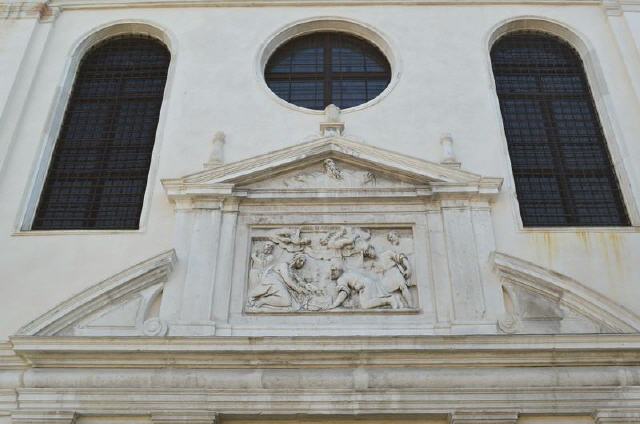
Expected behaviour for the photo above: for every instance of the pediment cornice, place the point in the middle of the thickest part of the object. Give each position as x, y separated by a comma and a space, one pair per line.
113, 291
251, 352
567, 292
425, 178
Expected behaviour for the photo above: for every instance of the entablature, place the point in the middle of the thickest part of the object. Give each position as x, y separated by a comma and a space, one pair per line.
292, 352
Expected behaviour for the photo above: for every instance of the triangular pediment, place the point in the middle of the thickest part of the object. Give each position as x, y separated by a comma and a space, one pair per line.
331, 163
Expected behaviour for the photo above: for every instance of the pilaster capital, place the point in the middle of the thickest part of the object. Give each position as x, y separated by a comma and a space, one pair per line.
484, 417
43, 417
231, 205
184, 417
611, 416
612, 7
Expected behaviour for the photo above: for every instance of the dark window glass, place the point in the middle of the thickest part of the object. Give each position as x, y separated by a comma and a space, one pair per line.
563, 172
98, 172
322, 68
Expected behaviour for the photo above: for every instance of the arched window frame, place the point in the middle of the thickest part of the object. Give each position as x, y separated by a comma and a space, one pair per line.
604, 108
57, 111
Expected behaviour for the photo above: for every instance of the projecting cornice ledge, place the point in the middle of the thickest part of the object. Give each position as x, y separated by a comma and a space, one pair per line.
91, 4
48, 11
251, 352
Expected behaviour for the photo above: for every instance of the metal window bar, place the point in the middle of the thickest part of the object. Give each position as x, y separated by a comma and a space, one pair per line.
562, 168
99, 168
318, 69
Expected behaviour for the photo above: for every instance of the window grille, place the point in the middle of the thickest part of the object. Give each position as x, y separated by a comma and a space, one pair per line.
322, 68
563, 172
98, 172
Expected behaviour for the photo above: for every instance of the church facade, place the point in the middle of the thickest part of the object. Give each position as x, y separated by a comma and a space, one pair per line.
319, 211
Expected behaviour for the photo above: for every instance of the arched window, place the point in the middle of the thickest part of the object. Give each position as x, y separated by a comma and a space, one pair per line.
99, 168
562, 168
318, 69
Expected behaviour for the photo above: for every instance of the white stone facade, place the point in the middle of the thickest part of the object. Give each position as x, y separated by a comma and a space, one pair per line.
446, 309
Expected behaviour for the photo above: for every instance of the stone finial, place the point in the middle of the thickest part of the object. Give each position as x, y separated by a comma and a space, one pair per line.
448, 154
332, 124
332, 113
216, 158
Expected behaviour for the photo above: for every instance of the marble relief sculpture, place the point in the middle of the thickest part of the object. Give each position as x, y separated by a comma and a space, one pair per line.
331, 268
290, 240
332, 175
281, 284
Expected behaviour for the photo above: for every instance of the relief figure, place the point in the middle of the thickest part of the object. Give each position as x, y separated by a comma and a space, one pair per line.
347, 240
396, 274
369, 292
282, 284
330, 174
331, 169
261, 258
288, 239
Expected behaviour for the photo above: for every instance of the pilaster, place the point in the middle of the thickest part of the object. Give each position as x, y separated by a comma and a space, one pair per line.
466, 286
627, 45
485, 246
199, 240
172, 296
440, 268
25, 75
198, 287
226, 253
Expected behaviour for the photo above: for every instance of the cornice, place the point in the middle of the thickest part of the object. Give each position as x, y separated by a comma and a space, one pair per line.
568, 292
28, 10
8, 358
20, 10
133, 279
47, 11
289, 352
97, 4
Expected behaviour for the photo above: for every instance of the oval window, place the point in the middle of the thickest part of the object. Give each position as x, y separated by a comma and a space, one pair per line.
323, 68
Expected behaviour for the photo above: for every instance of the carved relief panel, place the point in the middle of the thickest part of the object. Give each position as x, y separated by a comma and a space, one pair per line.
332, 174
331, 268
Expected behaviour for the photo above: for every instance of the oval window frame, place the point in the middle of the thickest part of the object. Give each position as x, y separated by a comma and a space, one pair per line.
328, 24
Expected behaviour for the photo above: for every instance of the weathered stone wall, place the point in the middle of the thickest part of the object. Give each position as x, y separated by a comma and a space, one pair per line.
442, 83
